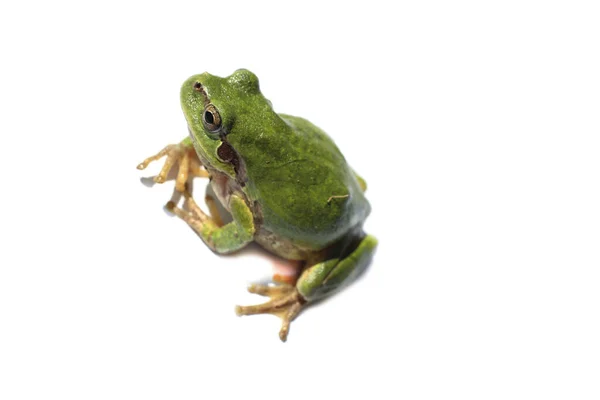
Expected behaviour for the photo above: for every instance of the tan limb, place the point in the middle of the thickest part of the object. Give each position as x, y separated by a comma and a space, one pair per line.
182, 154
286, 303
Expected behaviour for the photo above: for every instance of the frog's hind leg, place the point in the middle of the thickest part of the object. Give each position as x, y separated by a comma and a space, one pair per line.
182, 154
316, 282
325, 278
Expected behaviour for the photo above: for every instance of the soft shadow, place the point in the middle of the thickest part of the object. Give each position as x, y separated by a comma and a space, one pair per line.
148, 181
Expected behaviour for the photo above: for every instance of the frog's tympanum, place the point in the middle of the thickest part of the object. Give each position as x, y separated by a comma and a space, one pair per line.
284, 182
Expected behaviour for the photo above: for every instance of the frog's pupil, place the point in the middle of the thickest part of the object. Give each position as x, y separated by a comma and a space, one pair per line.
197, 85
209, 117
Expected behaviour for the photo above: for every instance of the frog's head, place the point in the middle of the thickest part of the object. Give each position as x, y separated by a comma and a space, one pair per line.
216, 108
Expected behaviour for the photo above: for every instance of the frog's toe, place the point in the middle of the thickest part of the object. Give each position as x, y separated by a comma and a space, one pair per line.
273, 306
286, 303
193, 215
291, 313
155, 157
182, 154
270, 290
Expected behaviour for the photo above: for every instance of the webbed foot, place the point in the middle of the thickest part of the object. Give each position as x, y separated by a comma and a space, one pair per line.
286, 303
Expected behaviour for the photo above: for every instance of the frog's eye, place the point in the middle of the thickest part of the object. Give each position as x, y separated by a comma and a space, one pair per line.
211, 118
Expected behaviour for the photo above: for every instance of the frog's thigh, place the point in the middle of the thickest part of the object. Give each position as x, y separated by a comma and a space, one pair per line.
326, 277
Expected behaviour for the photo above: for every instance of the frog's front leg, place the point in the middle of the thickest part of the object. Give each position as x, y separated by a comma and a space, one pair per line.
221, 239
182, 154
316, 282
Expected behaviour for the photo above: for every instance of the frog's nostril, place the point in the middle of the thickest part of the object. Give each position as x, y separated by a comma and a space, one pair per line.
197, 86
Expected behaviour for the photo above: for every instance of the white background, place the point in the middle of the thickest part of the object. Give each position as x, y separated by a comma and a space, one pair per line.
476, 125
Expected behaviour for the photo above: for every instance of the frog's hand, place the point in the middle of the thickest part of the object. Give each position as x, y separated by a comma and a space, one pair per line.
221, 239
182, 154
361, 182
318, 281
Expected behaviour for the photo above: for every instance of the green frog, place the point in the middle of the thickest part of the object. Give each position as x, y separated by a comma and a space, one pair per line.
283, 181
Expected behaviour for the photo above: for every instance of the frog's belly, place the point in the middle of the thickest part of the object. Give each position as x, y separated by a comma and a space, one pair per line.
221, 187
281, 246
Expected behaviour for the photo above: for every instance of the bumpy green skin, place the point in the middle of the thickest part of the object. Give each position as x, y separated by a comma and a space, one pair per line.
286, 167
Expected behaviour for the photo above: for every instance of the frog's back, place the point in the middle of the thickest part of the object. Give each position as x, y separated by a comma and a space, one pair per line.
306, 191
